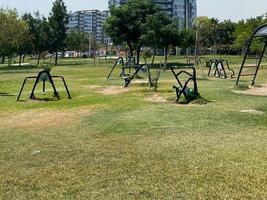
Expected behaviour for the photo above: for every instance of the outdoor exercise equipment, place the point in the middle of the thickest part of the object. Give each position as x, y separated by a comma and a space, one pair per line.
129, 77
44, 76
261, 33
128, 66
153, 78
120, 61
182, 87
219, 68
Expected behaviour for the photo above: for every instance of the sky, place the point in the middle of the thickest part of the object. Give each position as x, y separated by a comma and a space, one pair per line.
221, 9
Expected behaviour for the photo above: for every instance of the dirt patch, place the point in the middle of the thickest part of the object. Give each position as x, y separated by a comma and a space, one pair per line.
112, 90
140, 81
157, 99
256, 112
257, 91
39, 119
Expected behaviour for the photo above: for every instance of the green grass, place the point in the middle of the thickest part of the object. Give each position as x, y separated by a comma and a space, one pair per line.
123, 146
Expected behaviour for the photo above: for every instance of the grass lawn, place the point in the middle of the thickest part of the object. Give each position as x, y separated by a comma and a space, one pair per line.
108, 142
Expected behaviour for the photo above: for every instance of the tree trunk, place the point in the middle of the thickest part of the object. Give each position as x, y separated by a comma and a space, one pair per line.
138, 55
38, 61
3, 59
166, 56
9, 61
106, 54
153, 57
130, 49
20, 59
94, 57
56, 58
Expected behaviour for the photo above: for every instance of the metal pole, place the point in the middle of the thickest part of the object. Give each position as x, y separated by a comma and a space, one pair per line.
89, 45
259, 63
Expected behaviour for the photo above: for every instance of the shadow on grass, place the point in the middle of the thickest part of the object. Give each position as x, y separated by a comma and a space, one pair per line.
39, 100
242, 86
71, 64
197, 101
200, 101
206, 78
4, 94
24, 67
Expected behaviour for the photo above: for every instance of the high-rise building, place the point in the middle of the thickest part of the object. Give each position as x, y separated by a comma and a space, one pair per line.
165, 5
116, 2
90, 21
184, 10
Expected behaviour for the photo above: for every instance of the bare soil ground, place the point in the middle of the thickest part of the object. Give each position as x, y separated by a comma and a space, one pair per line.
257, 90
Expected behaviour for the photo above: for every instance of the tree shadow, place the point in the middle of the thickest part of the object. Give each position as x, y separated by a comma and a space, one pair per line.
39, 99
24, 67
4, 94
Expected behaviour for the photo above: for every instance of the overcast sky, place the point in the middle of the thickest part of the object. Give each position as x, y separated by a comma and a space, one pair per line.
221, 9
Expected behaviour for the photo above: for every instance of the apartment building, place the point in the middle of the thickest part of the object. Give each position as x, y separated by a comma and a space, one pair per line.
91, 22
184, 10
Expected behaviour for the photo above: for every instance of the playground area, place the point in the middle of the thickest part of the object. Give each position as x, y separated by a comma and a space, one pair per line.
112, 142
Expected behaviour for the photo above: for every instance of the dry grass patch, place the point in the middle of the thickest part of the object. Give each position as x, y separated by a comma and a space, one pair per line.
256, 112
111, 90
41, 118
254, 90
157, 99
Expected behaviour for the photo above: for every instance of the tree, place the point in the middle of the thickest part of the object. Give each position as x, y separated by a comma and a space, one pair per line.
11, 40
202, 32
160, 31
39, 32
243, 32
187, 39
125, 22
225, 32
58, 20
214, 34
45, 35
77, 40
8, 30
22, 40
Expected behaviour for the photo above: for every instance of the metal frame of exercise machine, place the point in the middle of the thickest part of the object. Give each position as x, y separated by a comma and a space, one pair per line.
219, 69
130, 64
130, 61
128, 77
260, 32
179, 69
43, 77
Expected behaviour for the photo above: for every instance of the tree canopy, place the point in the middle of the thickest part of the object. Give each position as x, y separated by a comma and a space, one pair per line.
125, 22
58, 21
12, 40
77, 40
